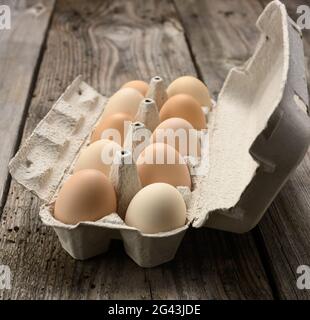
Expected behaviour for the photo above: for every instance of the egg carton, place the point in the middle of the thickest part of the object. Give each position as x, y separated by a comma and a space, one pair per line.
258, 133
47, 159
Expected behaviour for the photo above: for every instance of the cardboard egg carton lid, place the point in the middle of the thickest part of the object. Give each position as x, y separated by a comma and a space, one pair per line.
45, 158
258, 132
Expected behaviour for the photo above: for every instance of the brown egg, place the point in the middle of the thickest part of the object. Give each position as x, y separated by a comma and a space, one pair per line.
87, 195
186, 107
139, 85
179, 134
160, 162
98, 155
158, 207
191, 86
113, 128
126, 100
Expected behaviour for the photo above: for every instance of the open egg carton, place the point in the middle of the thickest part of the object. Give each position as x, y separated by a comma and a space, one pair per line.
258, 133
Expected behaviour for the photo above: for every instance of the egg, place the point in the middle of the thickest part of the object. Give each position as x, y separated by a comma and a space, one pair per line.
159, 162
158, 207
125, 100
180, 134
105, 129
139, 85
98, 155
87, 195
186, 107
191, 86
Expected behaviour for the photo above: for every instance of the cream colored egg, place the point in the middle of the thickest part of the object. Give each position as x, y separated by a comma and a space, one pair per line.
139, 85
98, 155
87, 195
125, 100
158, 207
191, 86
179, 134
160, 162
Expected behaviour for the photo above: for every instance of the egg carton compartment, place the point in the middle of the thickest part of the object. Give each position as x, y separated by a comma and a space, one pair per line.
257, 135
88, 239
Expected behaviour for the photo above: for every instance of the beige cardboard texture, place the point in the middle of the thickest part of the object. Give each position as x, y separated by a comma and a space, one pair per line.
258, 133
88, 239
44, 158
256, 111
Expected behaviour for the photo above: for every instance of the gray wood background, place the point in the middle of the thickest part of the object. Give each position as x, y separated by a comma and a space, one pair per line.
109, 43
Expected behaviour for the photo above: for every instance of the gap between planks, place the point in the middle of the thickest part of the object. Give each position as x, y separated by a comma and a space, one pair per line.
15, 142
283, 220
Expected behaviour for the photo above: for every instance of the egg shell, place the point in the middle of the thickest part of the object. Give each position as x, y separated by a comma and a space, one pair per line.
186, 107
179, 134
160, 162
87, 195
98, 155
191, 86
117, 121
158, 207
125, 100
139, 85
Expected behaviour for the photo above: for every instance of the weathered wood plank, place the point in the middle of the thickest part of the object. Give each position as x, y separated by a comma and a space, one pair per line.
110, 43
19, 56
216, 33
212, 265
284, 231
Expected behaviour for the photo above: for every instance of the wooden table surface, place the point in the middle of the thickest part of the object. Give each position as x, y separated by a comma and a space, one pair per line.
109, 43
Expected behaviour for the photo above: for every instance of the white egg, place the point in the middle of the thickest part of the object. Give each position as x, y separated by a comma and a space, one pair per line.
158, 207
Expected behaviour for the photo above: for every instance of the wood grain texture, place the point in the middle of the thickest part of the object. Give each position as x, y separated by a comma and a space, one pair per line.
217, 35
285, 230
111, 43
20, 54
283, 233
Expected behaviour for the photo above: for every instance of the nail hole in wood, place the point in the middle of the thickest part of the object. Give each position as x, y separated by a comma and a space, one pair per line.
39, 7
